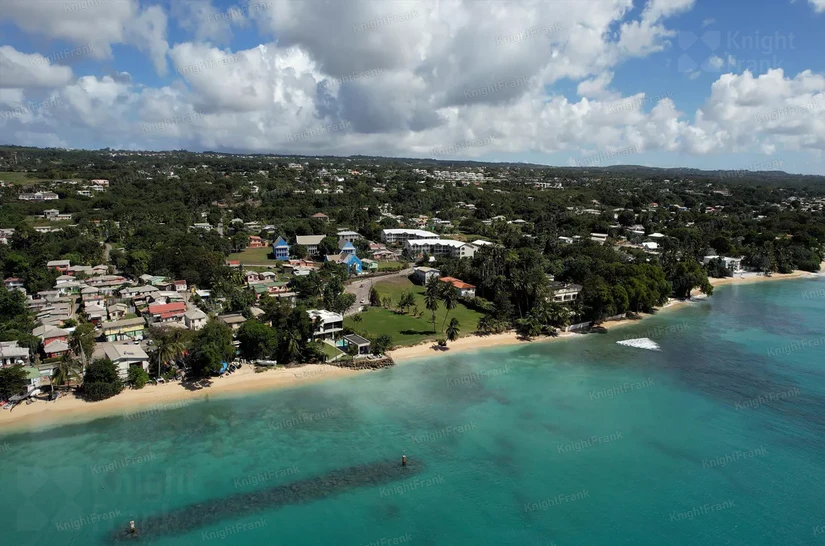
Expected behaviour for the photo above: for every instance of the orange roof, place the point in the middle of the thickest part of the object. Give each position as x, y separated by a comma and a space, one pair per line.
164, 308
461, 285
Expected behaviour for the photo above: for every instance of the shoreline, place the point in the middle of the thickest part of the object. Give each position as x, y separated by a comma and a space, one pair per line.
132, 404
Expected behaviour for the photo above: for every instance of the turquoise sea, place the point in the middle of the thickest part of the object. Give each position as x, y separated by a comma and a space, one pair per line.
717, 438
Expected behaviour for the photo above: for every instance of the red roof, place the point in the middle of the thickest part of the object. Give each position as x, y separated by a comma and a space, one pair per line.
461, 285
233, 262
165, 308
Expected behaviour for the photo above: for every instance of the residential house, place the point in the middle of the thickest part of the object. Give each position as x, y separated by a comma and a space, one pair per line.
310, 242
325, 323
11, 354
233, 320
400, 235
13, 283
117, 311
423, 274
255, 242
348, 236
96, 313
320, 216
346, 247
564, 292
55, 349
167, 312
600, 238
195, 319
734, 265
39, 196
280, 249
362, 343
233, 263
416, 248
124, 329
126, 356
180, 286
463, 289
369, 265
59, 265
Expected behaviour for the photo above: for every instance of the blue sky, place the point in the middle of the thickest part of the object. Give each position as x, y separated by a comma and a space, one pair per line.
696, 83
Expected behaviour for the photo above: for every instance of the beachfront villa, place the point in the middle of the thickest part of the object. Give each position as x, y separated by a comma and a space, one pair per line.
734, 265
125, 356
463, 289
564, 292
325, 323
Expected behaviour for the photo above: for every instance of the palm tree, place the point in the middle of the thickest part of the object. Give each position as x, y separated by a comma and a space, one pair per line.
168, 349
65, 371
293, 343
453, 329
528, 327
450, 297
431, 296
485, 324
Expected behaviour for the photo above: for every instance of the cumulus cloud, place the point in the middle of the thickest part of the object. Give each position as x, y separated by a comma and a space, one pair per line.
18, 70
404, 78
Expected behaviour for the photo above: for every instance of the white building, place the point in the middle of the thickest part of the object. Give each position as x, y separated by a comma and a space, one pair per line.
424, 274
397, 236
327, 323
310, 242
415, 248
194, 319
125, 356
734, 265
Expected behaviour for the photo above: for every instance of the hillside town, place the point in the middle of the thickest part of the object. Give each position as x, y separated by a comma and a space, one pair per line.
122, 268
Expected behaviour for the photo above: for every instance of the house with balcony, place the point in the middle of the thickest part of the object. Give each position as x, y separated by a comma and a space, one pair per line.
422, 275
125, 356
124, 329
401, 235
325, 323
61, 266
280, 249
564, 292
255, 242
165, 312
310, 242
463, 289
12, 354
416, 248
195, 319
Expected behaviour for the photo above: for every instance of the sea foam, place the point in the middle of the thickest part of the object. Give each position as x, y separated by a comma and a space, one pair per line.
641, 343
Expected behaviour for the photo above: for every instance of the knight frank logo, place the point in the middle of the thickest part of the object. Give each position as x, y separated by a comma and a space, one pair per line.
734, 50
710, 42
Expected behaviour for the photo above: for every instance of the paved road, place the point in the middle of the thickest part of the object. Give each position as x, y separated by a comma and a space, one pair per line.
361, 289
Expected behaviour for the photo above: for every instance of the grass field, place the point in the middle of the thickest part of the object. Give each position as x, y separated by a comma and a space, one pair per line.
254, 256
382, 266
328, 349
406, 329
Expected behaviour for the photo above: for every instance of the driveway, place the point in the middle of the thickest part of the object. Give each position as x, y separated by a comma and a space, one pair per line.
361, 288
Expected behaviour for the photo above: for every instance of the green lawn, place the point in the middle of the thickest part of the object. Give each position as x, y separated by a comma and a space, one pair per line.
389, 265
328, 349
254, 256
406, 329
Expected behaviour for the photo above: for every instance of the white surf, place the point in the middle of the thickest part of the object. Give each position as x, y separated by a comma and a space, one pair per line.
641, 343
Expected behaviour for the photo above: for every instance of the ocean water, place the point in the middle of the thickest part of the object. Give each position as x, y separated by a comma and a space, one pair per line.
717, 437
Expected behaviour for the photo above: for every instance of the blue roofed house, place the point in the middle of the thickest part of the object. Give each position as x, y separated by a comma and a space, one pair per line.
346, 248
280, 249
353, 263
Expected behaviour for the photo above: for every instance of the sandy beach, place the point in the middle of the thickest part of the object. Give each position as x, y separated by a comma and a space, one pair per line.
154, 398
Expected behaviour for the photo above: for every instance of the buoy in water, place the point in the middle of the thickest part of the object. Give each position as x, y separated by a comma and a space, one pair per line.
132, 527
403, 460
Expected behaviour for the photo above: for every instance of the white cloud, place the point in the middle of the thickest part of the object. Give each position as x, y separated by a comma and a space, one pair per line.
818, 5
18, 70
